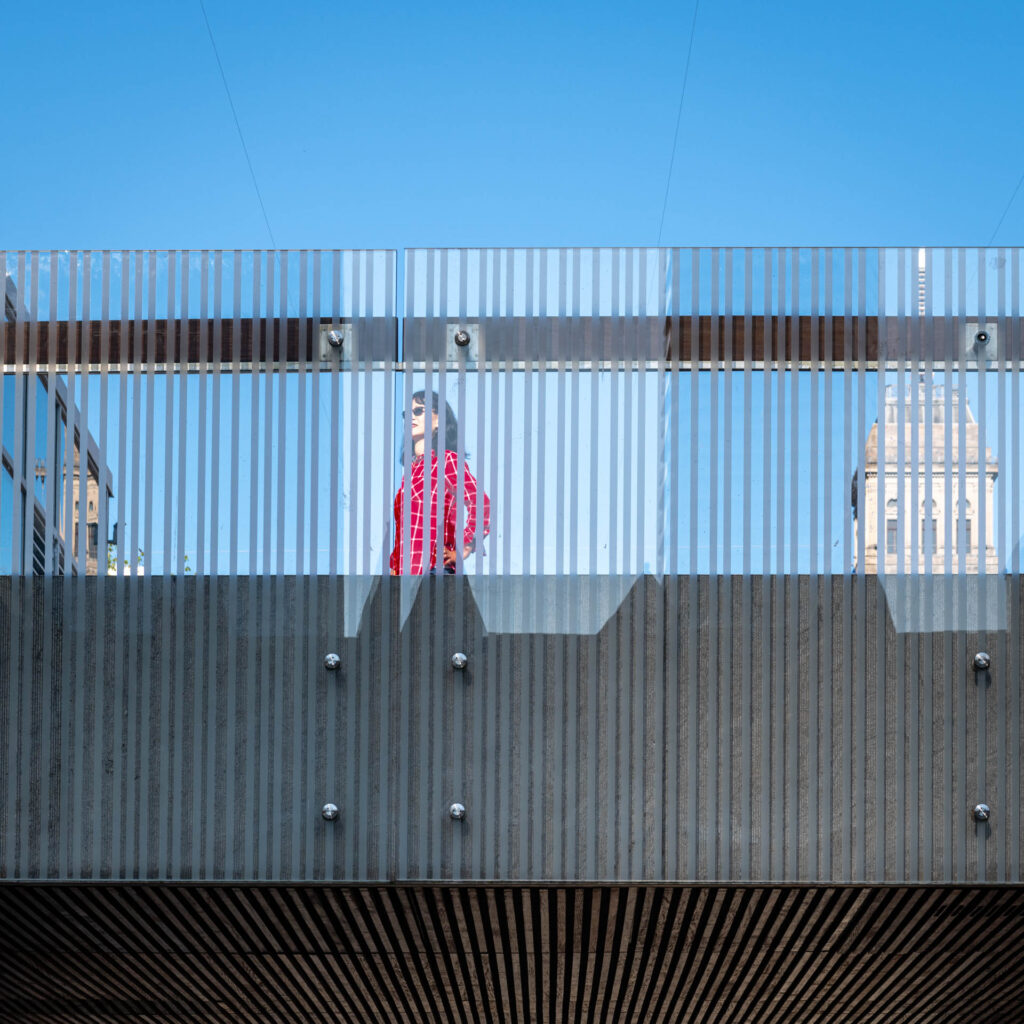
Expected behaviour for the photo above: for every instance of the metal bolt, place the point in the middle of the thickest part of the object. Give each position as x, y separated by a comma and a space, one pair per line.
329, 812
982, 812
982, 662
457, 812
462, 337
335, 338
332, 662
459, 660
981, 337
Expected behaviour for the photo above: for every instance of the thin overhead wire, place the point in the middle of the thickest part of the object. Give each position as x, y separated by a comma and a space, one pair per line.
234, 114
1006, 210
679, 115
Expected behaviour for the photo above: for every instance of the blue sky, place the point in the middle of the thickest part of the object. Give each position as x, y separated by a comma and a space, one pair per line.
526, 124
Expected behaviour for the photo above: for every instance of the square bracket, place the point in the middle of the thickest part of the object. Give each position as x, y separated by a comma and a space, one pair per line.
980, 340
337, 343
464, 343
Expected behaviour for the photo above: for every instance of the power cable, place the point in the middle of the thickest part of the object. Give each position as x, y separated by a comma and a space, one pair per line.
234, 114
1006, 210
679, 115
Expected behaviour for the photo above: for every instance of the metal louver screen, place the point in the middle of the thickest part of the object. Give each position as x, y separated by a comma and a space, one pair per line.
625, 411
779, 490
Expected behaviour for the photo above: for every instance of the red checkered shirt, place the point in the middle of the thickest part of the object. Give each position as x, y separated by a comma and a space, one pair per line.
414, 565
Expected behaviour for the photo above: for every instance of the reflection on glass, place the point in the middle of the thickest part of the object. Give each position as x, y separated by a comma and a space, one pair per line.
41, 465
90, 513
36, 474
60, 479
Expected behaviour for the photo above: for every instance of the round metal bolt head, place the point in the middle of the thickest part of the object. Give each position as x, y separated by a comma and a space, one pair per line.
982, 812
459, 660
457, 812
332, 662
982, 662
335, 339
462, 338
981, 337
329, 812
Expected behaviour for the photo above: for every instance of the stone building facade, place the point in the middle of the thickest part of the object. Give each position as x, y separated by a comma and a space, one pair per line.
927, 490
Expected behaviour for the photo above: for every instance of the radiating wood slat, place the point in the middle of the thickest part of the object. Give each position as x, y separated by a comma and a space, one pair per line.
715, 954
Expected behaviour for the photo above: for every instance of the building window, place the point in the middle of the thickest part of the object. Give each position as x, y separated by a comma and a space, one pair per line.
890, 536
930, 541
966, 524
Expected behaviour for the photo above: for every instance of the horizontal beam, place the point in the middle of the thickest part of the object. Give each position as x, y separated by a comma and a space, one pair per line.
216, 343
737, 340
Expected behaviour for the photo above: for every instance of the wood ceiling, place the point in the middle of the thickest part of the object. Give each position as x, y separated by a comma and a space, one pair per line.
470, 953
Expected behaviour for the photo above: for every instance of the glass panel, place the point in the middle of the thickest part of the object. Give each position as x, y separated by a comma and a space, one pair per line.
612, 411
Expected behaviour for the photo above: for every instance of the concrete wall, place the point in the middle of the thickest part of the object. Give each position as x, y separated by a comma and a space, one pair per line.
772, 729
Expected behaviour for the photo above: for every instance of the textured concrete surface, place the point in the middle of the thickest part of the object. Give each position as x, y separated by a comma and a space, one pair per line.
758, 729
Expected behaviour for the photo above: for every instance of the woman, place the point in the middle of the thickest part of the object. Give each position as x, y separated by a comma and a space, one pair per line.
422, 540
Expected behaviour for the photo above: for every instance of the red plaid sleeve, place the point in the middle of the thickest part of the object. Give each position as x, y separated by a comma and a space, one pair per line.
453, 469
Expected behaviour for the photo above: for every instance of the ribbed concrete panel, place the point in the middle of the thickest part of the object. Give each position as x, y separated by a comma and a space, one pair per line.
729, 729
799, 955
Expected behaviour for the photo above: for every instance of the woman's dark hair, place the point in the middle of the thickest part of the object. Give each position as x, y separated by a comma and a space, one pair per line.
432, 403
